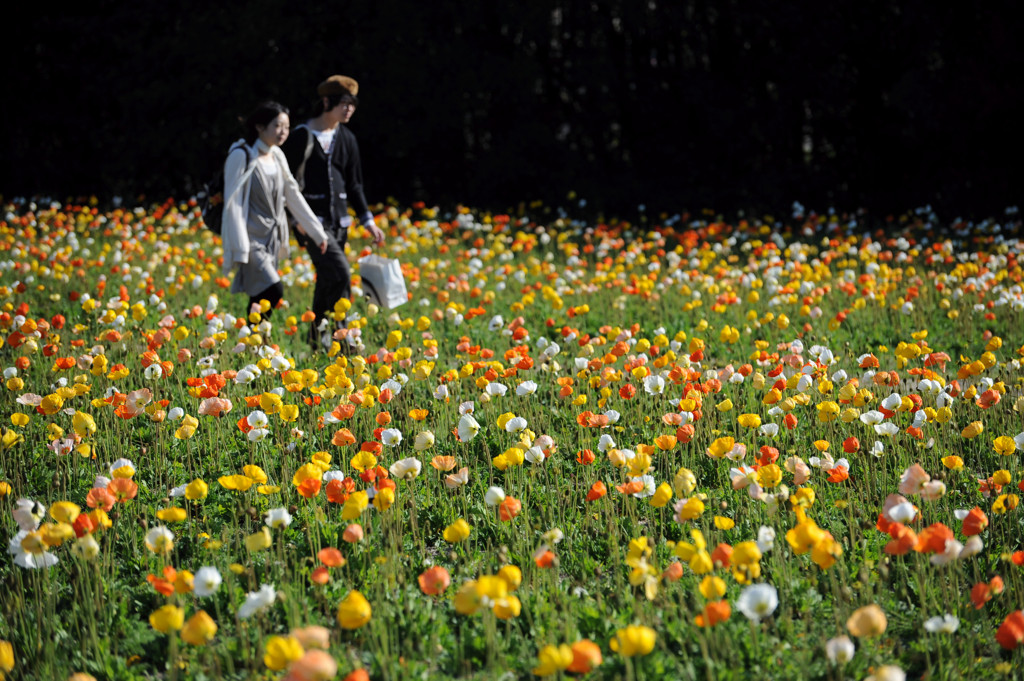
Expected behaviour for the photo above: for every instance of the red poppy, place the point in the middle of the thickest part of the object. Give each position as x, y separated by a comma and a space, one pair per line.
769, 455
338, 490
982, 593
1011, 631
597, 490
974, 523
585, 457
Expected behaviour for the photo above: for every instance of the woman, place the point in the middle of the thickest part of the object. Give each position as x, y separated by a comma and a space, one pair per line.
258, 186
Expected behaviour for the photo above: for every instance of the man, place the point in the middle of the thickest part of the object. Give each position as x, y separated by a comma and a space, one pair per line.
324, 158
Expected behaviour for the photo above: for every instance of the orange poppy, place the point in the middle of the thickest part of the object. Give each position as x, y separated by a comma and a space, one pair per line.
903, 541
933, 538
631, 487
509, 508
434, 580
165, 584
597, 490
320, 575
344, 411
714, 613
665, 442
585, 457
674, 572
545, 560
331, 557
309, 488
838, 474
989, 398
722, 555
685, 433
585, 656
84, 524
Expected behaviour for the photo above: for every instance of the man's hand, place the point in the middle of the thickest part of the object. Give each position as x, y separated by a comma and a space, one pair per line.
376, 234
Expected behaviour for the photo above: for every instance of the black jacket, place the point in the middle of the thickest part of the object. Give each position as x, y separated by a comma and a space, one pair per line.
329, 194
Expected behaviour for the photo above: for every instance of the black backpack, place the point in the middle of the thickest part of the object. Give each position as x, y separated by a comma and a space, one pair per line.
211, 197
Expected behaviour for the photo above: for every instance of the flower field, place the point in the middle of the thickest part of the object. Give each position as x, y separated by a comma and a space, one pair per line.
680, 449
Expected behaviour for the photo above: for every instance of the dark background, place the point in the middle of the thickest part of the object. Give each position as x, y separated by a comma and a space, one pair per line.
676, 105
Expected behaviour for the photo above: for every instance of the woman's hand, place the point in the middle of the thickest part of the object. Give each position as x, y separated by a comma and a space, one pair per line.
323, 246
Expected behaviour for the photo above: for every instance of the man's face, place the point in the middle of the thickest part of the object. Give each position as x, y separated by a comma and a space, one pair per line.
345, 109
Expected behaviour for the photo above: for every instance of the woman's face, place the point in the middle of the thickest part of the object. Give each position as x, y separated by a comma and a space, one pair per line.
275, 132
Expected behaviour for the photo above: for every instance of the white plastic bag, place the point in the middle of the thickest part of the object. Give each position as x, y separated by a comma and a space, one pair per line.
383, 281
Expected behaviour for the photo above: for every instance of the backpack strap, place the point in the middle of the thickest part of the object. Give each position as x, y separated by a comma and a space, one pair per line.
300, 174
249, 167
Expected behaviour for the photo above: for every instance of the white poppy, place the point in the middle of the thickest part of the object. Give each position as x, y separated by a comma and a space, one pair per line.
406, 469
526, 388
758, 601
494, 496
257, 601
468, 428
391, 437
206, 581
423, 441
840, 650
278, 517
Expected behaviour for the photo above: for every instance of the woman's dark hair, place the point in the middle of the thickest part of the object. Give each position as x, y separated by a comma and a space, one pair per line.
332, 101
262, 115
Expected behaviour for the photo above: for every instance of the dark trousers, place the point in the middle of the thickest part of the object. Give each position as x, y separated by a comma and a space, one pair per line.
271, 294
333, 280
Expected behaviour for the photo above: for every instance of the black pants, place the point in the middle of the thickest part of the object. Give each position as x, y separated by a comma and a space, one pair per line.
333, 280
271, 294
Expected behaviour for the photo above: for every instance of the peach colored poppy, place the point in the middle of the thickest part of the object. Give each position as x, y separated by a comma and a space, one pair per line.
443, 463
123, 489
343, 437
